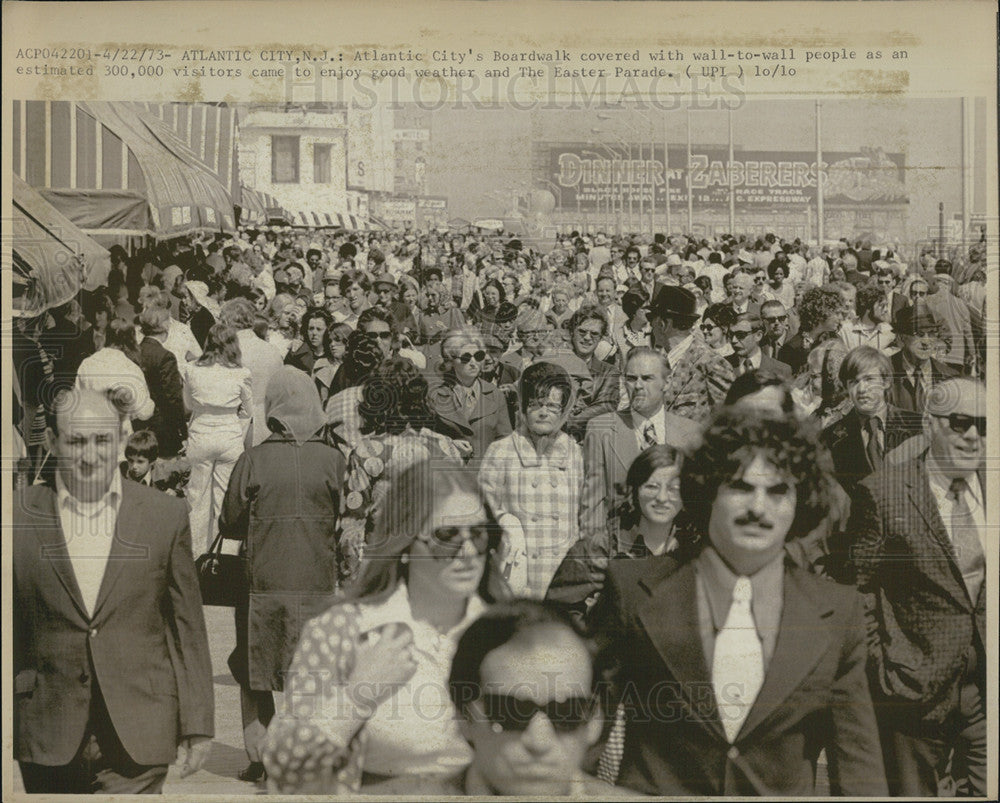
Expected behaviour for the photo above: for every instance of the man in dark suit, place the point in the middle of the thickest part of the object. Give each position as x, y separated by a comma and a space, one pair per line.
647, 283
745, 334
163, 378
872, 427
921, 566
734, 666
777, 329
613, 440
111, 662
914, 370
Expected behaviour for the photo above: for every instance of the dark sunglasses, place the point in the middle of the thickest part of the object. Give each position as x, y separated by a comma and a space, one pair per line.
738, 334
776, 319
469, 356
381, 335
514, 714
918, 293
446, 542
960, 422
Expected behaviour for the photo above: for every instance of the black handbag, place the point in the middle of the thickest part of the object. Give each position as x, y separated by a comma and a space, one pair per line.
222, 578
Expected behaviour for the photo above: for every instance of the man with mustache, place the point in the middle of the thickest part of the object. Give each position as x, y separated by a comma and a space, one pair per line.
735, 667
921, 566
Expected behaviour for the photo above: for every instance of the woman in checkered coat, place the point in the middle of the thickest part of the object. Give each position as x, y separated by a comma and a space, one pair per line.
533, 479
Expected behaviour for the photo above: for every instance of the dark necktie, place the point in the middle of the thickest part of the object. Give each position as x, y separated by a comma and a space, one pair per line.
649, 434
919, 391
965, 538
874, 449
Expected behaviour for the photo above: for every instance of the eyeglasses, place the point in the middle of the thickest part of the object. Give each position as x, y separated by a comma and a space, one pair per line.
509, 713
960, 422
739, 334
759, 280
776, 319
446, 542
918, 293
381, 335
708, 327
469, 356
588, 334
552, 407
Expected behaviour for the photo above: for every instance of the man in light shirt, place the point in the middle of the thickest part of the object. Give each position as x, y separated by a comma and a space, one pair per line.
920, 562
111, 662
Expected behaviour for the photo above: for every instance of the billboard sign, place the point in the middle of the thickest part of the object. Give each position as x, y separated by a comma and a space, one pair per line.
589, 176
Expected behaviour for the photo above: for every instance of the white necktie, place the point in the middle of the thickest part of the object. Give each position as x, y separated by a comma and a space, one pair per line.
738, 662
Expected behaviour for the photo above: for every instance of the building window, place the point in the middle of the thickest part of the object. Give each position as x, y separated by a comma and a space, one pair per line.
284, 160
321, 164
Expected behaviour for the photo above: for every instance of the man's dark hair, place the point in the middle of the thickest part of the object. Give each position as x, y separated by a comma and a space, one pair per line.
376, 314
733, 437
816, 306
394, 396
753, 381
311, 314
589, 312
501, 624
868, 296
721, 314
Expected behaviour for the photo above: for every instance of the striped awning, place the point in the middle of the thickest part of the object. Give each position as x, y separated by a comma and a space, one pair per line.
51, 257
258, 207
309, 219
93, 160
210, 132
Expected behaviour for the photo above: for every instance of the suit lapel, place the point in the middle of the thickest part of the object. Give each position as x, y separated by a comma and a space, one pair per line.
670, 617
623, 440
802, 640
128, 529
54, 551
919, 491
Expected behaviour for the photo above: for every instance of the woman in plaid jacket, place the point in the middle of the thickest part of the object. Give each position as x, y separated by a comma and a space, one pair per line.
533, 479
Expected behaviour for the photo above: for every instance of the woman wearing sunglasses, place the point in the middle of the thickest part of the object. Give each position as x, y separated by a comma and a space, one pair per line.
368, 687
471, 408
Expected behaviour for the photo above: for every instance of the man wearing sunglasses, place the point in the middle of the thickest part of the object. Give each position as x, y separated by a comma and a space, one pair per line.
745, 334
736, 666
524, 686
921, 566
776, 327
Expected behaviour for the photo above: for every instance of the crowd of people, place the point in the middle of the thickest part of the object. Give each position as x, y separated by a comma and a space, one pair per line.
657, 515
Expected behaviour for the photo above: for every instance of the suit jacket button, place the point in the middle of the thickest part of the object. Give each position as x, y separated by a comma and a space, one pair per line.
93, 632
733, 753
84, 677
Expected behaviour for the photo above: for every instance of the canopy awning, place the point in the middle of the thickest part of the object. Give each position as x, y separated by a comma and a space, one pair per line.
93, 159
309, 219
458, 223
257, 206
209, 131
52, 258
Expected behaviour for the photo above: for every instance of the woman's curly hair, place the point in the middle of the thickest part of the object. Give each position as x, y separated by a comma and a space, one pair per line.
733, 437
393, 397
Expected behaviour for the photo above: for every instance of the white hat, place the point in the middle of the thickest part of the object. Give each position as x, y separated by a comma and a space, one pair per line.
744, 256
673, 259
